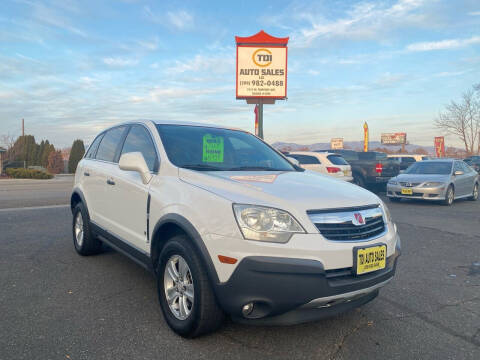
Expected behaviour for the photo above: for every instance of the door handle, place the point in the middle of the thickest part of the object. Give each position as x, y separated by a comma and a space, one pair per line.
110, 182
86, 173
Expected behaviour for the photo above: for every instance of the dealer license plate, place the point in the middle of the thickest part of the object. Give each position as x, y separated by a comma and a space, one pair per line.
370, 259
407, 191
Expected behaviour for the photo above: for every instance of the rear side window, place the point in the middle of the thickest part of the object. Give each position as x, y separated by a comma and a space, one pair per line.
337, 160
92, 149
408, 160
109, 144
139, 140
305, 159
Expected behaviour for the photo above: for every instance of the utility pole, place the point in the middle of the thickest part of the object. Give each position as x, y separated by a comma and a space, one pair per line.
24, 149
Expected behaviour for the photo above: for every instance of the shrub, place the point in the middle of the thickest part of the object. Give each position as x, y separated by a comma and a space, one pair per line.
20, 173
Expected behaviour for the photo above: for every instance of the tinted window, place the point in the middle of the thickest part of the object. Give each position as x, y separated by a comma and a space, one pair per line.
371, 155
430, 168
305, 159
408, 160
337, 160
139, 140
92, 149
348, 155
108, 146
212, 149
457, 166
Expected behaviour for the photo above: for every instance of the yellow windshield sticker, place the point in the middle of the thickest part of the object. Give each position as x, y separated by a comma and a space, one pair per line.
212, 149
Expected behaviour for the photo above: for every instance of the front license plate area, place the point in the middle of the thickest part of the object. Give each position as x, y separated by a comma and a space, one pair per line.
368, 259
407, 191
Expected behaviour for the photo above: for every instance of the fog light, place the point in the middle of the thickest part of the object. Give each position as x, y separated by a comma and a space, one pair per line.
247, 309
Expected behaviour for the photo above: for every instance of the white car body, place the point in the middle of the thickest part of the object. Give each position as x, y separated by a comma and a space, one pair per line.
321, 162
136, 217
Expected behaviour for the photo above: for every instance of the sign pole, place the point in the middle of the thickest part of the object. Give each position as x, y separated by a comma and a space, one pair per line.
260, 119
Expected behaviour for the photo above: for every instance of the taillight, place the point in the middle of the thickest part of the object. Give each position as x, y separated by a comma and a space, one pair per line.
333, 170
379, 168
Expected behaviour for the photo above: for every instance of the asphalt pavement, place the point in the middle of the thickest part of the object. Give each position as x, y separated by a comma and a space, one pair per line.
55, 304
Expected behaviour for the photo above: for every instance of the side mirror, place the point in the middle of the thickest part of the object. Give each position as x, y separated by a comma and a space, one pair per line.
135, 161
458, 172
293, 161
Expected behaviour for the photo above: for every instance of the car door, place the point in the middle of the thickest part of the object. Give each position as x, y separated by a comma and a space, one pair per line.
461, 181
86, 173
471, 176
101, 180
128, 207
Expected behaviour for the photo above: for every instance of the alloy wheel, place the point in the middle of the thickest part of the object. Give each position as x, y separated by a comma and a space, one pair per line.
178, 286
79, 229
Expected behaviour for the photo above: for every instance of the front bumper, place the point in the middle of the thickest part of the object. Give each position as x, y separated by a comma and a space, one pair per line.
434, 193
290, 291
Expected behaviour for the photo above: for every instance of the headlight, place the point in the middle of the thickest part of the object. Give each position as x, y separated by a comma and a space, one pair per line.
265, 224
386, 212
433, 184
392, 182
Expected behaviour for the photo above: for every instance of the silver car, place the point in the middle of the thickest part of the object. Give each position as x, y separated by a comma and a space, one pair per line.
439, 180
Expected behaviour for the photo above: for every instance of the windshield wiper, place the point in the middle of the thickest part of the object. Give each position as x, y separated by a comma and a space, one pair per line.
261, 168
201, 167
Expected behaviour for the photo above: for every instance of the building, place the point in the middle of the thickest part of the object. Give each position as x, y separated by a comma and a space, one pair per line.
2, 154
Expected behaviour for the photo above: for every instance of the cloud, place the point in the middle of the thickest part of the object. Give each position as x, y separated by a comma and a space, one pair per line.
474, 13
215, 62
181, 19
119, 62
443, 44
363, 21
150, 45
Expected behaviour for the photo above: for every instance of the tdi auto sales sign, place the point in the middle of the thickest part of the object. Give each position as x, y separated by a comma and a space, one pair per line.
261, 67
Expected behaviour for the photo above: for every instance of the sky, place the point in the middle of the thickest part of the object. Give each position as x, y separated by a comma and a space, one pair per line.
71, 68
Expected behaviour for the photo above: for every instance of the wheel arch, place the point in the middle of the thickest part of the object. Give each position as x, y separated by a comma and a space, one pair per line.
173, 224
78, 197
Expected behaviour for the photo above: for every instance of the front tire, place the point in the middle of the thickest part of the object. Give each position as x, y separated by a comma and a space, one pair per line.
358, 180
185, 294
449, 196
84, 240
474, 196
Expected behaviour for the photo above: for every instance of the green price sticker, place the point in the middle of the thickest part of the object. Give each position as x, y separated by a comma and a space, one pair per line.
212, 149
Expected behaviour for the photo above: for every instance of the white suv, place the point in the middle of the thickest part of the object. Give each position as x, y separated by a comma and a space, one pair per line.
229, 226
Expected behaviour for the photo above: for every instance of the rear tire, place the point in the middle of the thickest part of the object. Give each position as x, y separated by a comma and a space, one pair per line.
358, 180
449, 196
192, 310
84, 240
474, 196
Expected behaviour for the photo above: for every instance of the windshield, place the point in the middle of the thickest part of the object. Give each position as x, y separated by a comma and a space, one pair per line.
430, 168
211, 149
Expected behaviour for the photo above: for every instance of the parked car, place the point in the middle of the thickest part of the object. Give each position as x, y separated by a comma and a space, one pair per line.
474, 162
405, 160
325, 163
369, 168
229, 226
435, 180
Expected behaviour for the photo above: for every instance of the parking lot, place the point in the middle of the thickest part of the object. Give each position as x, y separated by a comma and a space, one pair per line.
55, 304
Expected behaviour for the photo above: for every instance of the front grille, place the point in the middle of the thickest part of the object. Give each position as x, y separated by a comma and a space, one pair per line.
399, 193
348, 231
408, 184
349, 224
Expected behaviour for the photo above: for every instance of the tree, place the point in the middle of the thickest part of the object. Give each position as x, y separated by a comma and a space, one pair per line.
463, 119
421, 151
55, 162
76, 154
49, 148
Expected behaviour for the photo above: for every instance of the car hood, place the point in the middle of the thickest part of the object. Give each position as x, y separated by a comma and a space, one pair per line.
419, 178
299, 190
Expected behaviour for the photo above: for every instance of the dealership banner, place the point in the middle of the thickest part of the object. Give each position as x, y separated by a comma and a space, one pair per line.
261, 67
439, 143
336, 143
394, 138
365, 137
